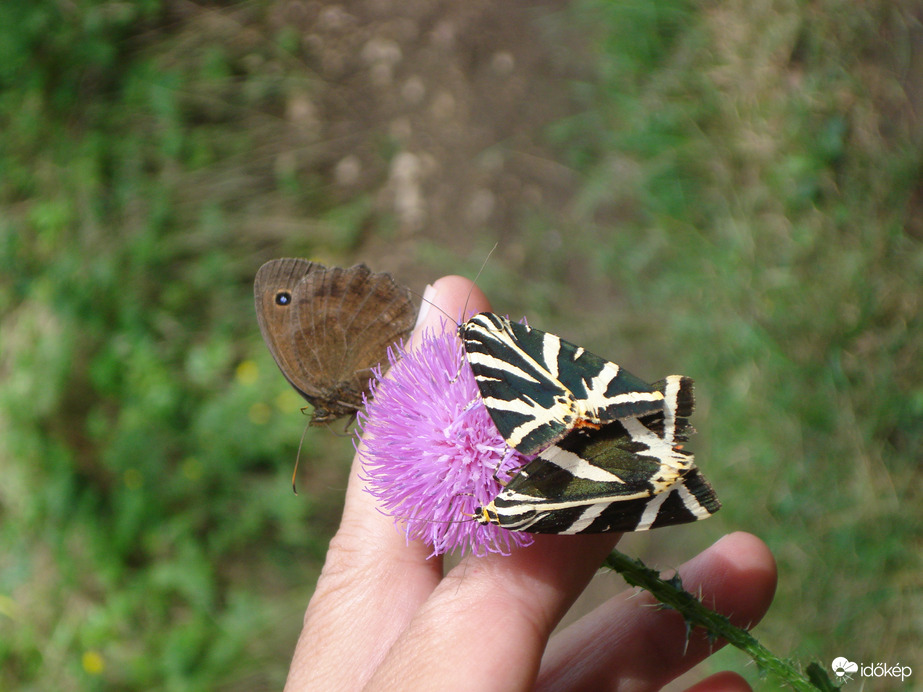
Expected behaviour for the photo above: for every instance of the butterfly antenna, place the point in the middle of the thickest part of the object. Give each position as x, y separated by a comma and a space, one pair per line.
298, 457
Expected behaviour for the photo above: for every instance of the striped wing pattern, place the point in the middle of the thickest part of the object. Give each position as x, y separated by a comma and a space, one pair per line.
630, 475
538, 387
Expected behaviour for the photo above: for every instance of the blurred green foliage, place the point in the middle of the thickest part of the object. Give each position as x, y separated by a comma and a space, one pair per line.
761, 168
143, 451
749, 182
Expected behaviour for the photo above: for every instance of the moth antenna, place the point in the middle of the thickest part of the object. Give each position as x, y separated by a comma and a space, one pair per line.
432, 304
467, 298
464, 313
476, 277
468, 517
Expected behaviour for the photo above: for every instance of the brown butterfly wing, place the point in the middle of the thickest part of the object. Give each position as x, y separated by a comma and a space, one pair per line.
372, 314
332, 326
274, 290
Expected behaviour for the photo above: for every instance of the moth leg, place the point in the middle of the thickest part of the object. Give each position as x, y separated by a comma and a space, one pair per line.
458, 372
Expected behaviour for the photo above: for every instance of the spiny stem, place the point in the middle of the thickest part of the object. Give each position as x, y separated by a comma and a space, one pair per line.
670, 592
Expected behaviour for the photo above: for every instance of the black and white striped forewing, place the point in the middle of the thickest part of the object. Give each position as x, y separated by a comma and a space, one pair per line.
538, 387
630, 475
690, 498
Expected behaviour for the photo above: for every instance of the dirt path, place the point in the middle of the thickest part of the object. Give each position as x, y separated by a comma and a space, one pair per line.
437, 111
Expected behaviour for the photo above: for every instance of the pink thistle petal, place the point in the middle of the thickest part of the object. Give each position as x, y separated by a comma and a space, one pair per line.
432, 455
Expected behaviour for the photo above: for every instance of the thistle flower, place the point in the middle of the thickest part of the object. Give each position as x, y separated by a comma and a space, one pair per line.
432, 455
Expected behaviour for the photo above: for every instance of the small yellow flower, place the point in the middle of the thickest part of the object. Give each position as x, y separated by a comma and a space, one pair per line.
93, 662
248, 372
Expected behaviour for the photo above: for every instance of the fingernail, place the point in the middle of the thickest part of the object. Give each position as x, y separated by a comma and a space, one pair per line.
429, 295
722, 539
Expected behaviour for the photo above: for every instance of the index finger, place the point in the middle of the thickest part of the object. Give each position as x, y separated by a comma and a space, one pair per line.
364, 529
373, 580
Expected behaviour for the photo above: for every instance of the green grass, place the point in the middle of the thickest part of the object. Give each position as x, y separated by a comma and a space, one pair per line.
747, 192
143, 465
764, 220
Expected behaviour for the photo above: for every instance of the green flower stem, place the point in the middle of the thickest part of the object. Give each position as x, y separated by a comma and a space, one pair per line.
670, 593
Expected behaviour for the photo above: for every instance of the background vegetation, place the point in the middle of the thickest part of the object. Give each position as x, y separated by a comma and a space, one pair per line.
727, 190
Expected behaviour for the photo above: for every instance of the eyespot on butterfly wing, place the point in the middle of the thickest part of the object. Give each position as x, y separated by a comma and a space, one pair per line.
327, 327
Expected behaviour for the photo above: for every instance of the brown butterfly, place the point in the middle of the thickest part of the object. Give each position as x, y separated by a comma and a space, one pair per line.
328, 327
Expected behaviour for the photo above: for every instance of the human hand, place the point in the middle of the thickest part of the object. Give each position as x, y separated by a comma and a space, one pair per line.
383, 617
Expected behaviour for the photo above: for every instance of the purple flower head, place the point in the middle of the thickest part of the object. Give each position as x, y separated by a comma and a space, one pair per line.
432, 455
